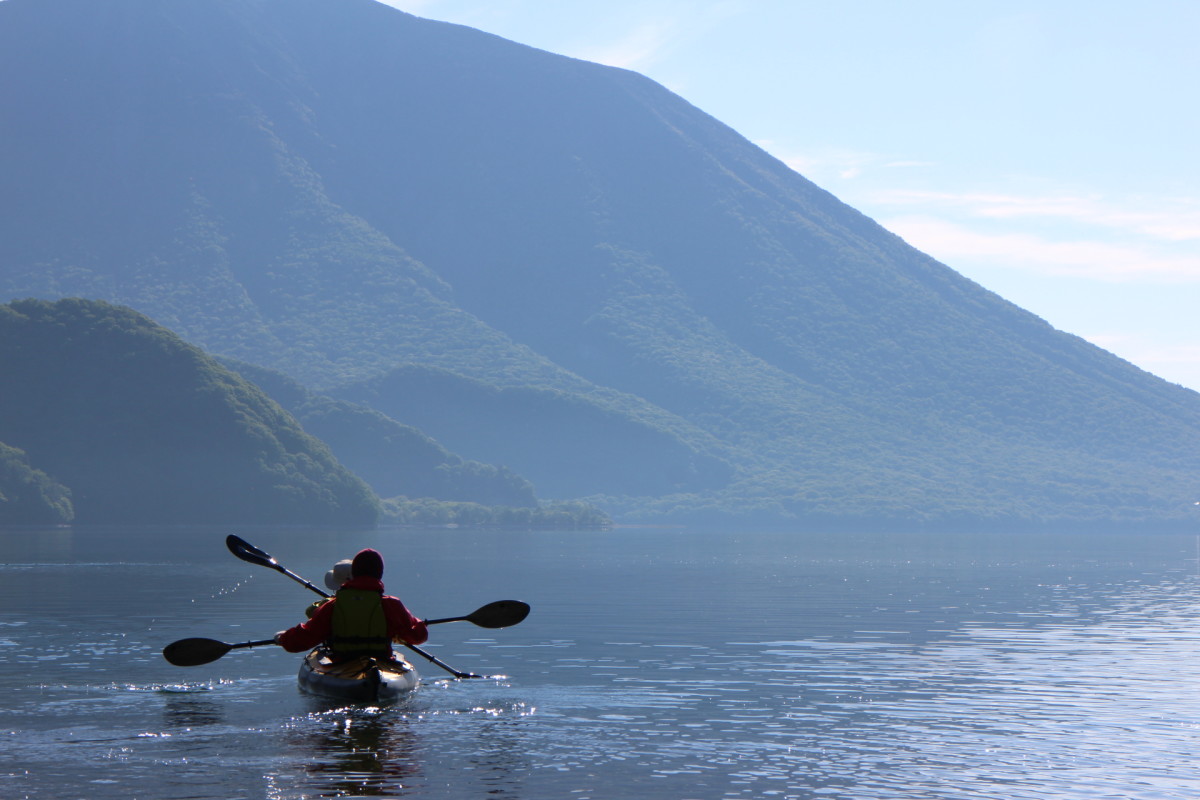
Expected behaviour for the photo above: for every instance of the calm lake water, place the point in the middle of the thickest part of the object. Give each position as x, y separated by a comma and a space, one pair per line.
655, 664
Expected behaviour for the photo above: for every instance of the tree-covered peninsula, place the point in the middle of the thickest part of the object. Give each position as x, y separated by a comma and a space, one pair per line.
29, 496
142, 427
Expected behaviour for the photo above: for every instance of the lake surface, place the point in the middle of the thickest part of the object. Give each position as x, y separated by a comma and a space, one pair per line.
667, 664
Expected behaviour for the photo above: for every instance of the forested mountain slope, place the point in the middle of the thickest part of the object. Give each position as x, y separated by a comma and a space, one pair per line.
29, 496
395, 459
378, 204
142, 427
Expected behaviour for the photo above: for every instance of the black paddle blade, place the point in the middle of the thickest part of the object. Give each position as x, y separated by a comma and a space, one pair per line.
248, 552
499, 614
194, 652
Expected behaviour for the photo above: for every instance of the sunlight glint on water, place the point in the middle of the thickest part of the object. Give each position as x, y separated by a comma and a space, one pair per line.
665, 665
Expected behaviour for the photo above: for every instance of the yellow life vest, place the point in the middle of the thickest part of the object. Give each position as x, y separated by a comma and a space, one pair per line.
359, 624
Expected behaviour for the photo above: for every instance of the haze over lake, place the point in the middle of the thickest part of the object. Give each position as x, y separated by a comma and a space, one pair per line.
670, 663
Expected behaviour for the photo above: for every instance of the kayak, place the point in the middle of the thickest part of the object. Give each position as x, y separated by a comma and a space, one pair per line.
359, 680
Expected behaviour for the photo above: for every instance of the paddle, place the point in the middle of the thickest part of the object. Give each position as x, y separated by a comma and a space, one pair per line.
197, 651
248, 552
499, 614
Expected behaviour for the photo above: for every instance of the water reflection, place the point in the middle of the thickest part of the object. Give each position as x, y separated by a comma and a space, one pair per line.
358, 752
186, 712
26, 547
497, 756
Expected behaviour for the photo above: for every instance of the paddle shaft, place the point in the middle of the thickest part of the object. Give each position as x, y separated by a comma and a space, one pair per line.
257, 643
247, 552
299, 579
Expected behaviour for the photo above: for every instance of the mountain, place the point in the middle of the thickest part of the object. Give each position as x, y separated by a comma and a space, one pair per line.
395, 459
549, 265
142, 427
570, 444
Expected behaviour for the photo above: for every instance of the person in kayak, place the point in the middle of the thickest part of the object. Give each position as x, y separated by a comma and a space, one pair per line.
338, 574
334, 578
360, 620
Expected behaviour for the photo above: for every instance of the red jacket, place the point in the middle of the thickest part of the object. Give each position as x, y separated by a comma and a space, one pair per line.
401, 623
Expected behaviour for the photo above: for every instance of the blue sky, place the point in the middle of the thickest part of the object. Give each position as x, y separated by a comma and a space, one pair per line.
1046, 150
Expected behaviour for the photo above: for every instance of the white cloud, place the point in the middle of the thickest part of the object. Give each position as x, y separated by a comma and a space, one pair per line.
908, 164
1095, 259
845, 164
652, 31
1170, 219
637, 48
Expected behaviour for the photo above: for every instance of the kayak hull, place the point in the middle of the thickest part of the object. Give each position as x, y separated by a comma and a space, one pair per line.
358, 680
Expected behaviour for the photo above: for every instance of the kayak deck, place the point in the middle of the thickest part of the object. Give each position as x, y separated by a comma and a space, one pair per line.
359, 680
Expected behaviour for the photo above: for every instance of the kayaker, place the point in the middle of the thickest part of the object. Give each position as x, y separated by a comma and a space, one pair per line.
338, 574
334, 578
360, 619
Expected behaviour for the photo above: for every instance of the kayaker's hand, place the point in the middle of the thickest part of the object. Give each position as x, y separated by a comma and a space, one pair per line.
277, 637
